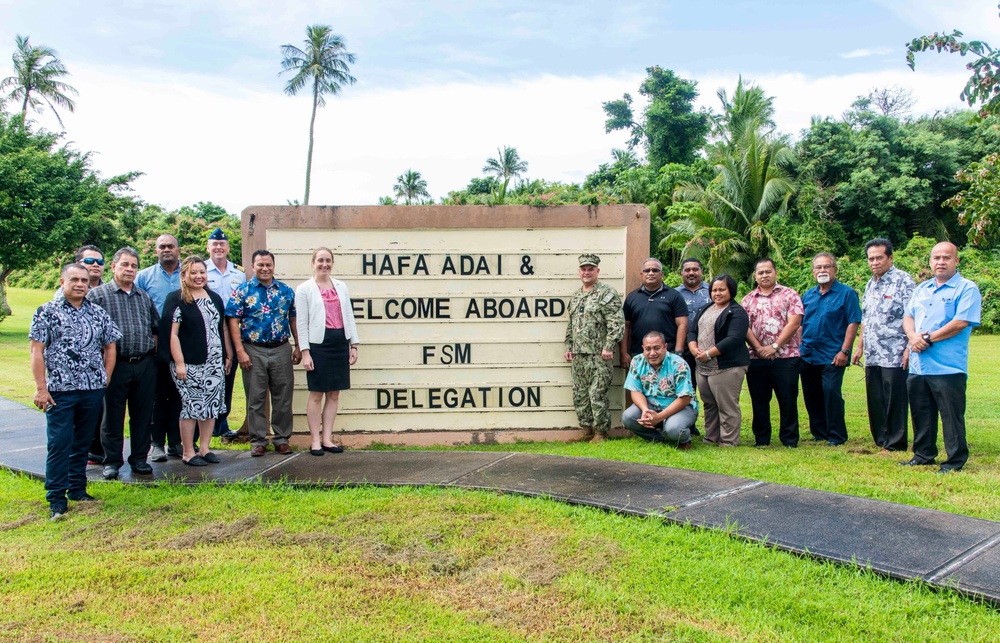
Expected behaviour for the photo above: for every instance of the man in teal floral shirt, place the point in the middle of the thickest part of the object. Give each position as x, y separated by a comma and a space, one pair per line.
260, 314
662, 391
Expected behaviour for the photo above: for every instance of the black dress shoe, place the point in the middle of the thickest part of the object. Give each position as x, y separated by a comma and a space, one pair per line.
174, 452
142, 468
916, 463
110, 472
336, 448
945, 470
229, 435
83, 497
317, 452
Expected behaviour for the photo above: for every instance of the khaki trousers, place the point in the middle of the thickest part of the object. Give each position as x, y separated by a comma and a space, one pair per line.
720, 397
270, 372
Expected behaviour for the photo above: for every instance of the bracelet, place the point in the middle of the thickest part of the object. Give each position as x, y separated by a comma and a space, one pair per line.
354, 348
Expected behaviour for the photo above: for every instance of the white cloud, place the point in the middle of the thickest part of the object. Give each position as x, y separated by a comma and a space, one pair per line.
864, 53
200, 138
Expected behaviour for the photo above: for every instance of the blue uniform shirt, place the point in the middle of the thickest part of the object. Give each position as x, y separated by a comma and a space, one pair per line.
825, 322
695, 300
931, 307
223, 283
158, 283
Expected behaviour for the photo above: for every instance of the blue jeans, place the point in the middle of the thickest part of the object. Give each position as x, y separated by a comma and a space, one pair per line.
69, 430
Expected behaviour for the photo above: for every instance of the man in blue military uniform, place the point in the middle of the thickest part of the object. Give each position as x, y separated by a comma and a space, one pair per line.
223, 277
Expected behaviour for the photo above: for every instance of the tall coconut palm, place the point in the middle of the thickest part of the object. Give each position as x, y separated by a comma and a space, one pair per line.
749, 109
36, 81
323, 67
409, 186
728, 225
506, 166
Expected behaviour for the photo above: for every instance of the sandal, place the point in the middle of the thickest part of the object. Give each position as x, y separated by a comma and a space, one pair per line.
211, 458
196, 461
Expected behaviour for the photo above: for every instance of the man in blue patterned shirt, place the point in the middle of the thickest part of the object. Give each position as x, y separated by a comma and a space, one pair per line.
72, 357
261, 314
663, 401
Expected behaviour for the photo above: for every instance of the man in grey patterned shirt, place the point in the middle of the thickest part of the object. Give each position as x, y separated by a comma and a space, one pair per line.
884, 346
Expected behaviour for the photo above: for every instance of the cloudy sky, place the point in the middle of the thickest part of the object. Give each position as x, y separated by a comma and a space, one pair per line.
188, 92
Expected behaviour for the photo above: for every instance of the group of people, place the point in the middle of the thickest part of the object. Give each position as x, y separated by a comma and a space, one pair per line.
163, 344
912, 340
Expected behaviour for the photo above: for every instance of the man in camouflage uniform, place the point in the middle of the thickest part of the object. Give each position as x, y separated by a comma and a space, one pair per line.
596, 325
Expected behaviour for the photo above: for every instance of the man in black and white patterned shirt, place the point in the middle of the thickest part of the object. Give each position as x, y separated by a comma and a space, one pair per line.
134, 380
884, 346
72, 357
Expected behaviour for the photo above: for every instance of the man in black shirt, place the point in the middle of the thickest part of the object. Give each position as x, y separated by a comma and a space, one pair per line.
653, 306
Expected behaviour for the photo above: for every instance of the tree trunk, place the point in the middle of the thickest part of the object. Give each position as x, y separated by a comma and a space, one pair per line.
309, 156
4, 307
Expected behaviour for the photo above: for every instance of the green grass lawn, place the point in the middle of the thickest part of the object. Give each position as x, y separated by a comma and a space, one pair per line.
248, 562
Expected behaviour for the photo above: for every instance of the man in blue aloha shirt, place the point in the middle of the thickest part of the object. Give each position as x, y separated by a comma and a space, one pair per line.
261, 315
662, 393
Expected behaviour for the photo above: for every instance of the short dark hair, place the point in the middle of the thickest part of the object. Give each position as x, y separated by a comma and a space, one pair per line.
654, 333
765, 260
82, 249
260, 253
66, 268
880, 241
730, 284
692, 260
127, 250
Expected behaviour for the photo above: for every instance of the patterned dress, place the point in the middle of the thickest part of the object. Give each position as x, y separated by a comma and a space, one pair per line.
203, 393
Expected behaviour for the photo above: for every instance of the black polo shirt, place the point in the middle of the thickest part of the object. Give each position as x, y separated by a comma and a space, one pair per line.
647, 311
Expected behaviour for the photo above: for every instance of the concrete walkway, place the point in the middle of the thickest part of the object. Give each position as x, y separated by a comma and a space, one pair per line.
900, 541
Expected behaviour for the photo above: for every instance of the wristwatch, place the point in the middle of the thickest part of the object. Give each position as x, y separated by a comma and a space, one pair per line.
927, 338
775, 346
845, 352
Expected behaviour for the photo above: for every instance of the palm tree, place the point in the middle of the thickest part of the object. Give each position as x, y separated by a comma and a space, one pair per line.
36, 80
727, 220
506, 166
323, 66
410, 186
750, 109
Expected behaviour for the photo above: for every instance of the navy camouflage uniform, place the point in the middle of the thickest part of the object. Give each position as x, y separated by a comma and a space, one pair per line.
596, 323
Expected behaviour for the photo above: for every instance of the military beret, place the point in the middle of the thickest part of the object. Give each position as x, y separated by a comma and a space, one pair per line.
589, 259
218, 235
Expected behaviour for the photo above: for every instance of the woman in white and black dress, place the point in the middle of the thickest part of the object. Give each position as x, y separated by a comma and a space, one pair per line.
328, 339
201, 357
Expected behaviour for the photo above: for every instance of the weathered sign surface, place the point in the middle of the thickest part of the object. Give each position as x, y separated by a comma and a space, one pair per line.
461, 311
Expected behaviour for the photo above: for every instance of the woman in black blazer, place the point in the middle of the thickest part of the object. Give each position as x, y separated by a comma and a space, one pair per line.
201, 358
717, 340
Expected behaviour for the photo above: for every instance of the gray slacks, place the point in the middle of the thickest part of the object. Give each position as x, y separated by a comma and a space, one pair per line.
720, 397
270, 371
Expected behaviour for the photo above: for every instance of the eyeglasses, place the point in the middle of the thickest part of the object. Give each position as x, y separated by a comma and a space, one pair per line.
652, 270
92, 260
824, 267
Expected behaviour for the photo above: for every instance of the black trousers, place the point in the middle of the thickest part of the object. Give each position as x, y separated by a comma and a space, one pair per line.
821, 391
780, 377
691, 362
887, 406
931, 395
167, 409
134, 385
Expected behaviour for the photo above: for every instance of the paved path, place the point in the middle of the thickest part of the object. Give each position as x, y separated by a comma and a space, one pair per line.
899, 541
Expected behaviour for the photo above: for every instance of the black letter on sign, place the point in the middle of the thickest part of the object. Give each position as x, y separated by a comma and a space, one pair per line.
383, 398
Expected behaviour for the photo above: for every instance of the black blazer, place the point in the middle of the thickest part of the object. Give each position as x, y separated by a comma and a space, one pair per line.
194, 342
730, 334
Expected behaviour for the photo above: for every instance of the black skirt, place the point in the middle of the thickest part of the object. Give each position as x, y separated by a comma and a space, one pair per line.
331, 369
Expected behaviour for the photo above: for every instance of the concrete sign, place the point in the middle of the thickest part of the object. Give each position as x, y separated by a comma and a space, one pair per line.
461, 311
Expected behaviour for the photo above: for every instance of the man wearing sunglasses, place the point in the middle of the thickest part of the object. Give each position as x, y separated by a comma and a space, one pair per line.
653, 306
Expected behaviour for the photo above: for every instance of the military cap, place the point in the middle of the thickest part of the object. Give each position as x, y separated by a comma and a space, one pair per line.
218, 235
589, 259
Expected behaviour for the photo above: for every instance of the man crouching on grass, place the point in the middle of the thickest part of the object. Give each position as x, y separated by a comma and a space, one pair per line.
72, 356
663, 403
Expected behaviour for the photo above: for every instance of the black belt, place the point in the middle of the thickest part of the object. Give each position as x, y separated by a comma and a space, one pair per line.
133, 360
267, 344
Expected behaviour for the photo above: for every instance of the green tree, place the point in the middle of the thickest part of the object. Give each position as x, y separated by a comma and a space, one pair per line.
670, 129
51, 201
410, 186
749, 109
978, 204
982, 87
506, 166
323, 66
730, 228
35, 82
